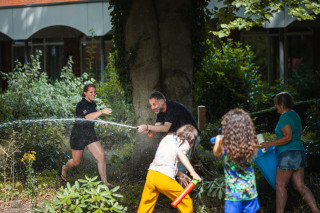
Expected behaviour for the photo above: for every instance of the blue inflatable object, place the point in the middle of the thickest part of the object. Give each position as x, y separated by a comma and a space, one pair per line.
213, 139
267, 163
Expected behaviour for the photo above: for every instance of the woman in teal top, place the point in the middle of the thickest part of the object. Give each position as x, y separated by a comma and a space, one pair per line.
292, 157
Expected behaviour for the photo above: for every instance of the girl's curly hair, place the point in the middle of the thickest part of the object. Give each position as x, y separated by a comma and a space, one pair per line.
239, 136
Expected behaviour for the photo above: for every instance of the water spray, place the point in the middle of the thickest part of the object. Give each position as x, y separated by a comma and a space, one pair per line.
186, 191
117, 124
10, 123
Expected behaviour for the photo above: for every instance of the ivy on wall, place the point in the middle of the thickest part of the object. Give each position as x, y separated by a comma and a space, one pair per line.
198, 17
119, 15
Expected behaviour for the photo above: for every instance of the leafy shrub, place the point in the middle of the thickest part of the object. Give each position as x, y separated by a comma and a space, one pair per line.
113, 96
30, 95
230, 79
214, 188
29, 106
47, 177
313, 118
308, 90
90, 196
211, 170
313, 135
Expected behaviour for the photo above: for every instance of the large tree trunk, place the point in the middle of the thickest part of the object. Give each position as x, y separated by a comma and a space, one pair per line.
159, 40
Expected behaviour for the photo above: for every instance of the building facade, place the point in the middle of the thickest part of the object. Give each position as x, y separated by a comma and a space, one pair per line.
82, 29
59, 29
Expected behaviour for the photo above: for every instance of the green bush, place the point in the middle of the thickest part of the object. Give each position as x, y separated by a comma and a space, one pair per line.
305, 80
113, 96
41, 112
230, 79
30, 95
313, 118
312, 131
29, 106
90, 196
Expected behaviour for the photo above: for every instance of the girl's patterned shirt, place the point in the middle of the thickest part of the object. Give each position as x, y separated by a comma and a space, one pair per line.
240, 181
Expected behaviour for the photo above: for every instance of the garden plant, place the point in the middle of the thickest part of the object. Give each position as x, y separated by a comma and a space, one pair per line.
36, 119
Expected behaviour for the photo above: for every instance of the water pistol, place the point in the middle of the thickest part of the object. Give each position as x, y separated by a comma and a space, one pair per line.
213, 139
186, 191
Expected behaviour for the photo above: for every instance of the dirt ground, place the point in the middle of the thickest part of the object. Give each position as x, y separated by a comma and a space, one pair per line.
24, 205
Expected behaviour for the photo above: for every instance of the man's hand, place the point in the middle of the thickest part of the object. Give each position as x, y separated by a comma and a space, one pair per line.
183, 179
142, 128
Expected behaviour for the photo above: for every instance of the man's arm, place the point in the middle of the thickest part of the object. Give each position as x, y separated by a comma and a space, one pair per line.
158, 127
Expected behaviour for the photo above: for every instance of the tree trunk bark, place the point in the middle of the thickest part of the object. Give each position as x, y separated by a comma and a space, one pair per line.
160, 43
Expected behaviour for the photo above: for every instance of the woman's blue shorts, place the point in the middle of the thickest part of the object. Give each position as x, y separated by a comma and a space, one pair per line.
292, 159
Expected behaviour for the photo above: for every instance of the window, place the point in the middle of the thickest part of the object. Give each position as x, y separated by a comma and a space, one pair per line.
51, 60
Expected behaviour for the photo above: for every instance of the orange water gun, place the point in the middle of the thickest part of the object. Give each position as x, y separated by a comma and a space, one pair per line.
150, 136
186, 191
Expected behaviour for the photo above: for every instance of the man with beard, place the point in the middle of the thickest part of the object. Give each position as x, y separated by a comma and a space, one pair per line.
171, 115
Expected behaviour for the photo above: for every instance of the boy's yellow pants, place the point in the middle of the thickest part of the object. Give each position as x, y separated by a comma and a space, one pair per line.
156, 183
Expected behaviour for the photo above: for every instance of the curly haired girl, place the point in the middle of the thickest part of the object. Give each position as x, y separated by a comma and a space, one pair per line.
238, 145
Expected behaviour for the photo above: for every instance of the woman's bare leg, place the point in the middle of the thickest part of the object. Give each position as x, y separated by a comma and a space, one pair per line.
98, 153
298, 184
75, 161
282, 179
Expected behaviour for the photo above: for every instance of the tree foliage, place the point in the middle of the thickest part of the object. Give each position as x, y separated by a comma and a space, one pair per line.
30, 95
257, 12
231, 79
113, 94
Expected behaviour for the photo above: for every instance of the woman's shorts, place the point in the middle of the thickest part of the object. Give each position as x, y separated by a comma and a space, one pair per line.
80, 139
292, 159
248, 206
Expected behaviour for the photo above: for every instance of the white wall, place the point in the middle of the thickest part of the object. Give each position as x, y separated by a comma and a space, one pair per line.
21, 23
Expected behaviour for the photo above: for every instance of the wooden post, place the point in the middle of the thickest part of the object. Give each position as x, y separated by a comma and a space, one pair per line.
201, 117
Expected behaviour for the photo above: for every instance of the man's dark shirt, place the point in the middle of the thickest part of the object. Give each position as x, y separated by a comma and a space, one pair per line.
178, 115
